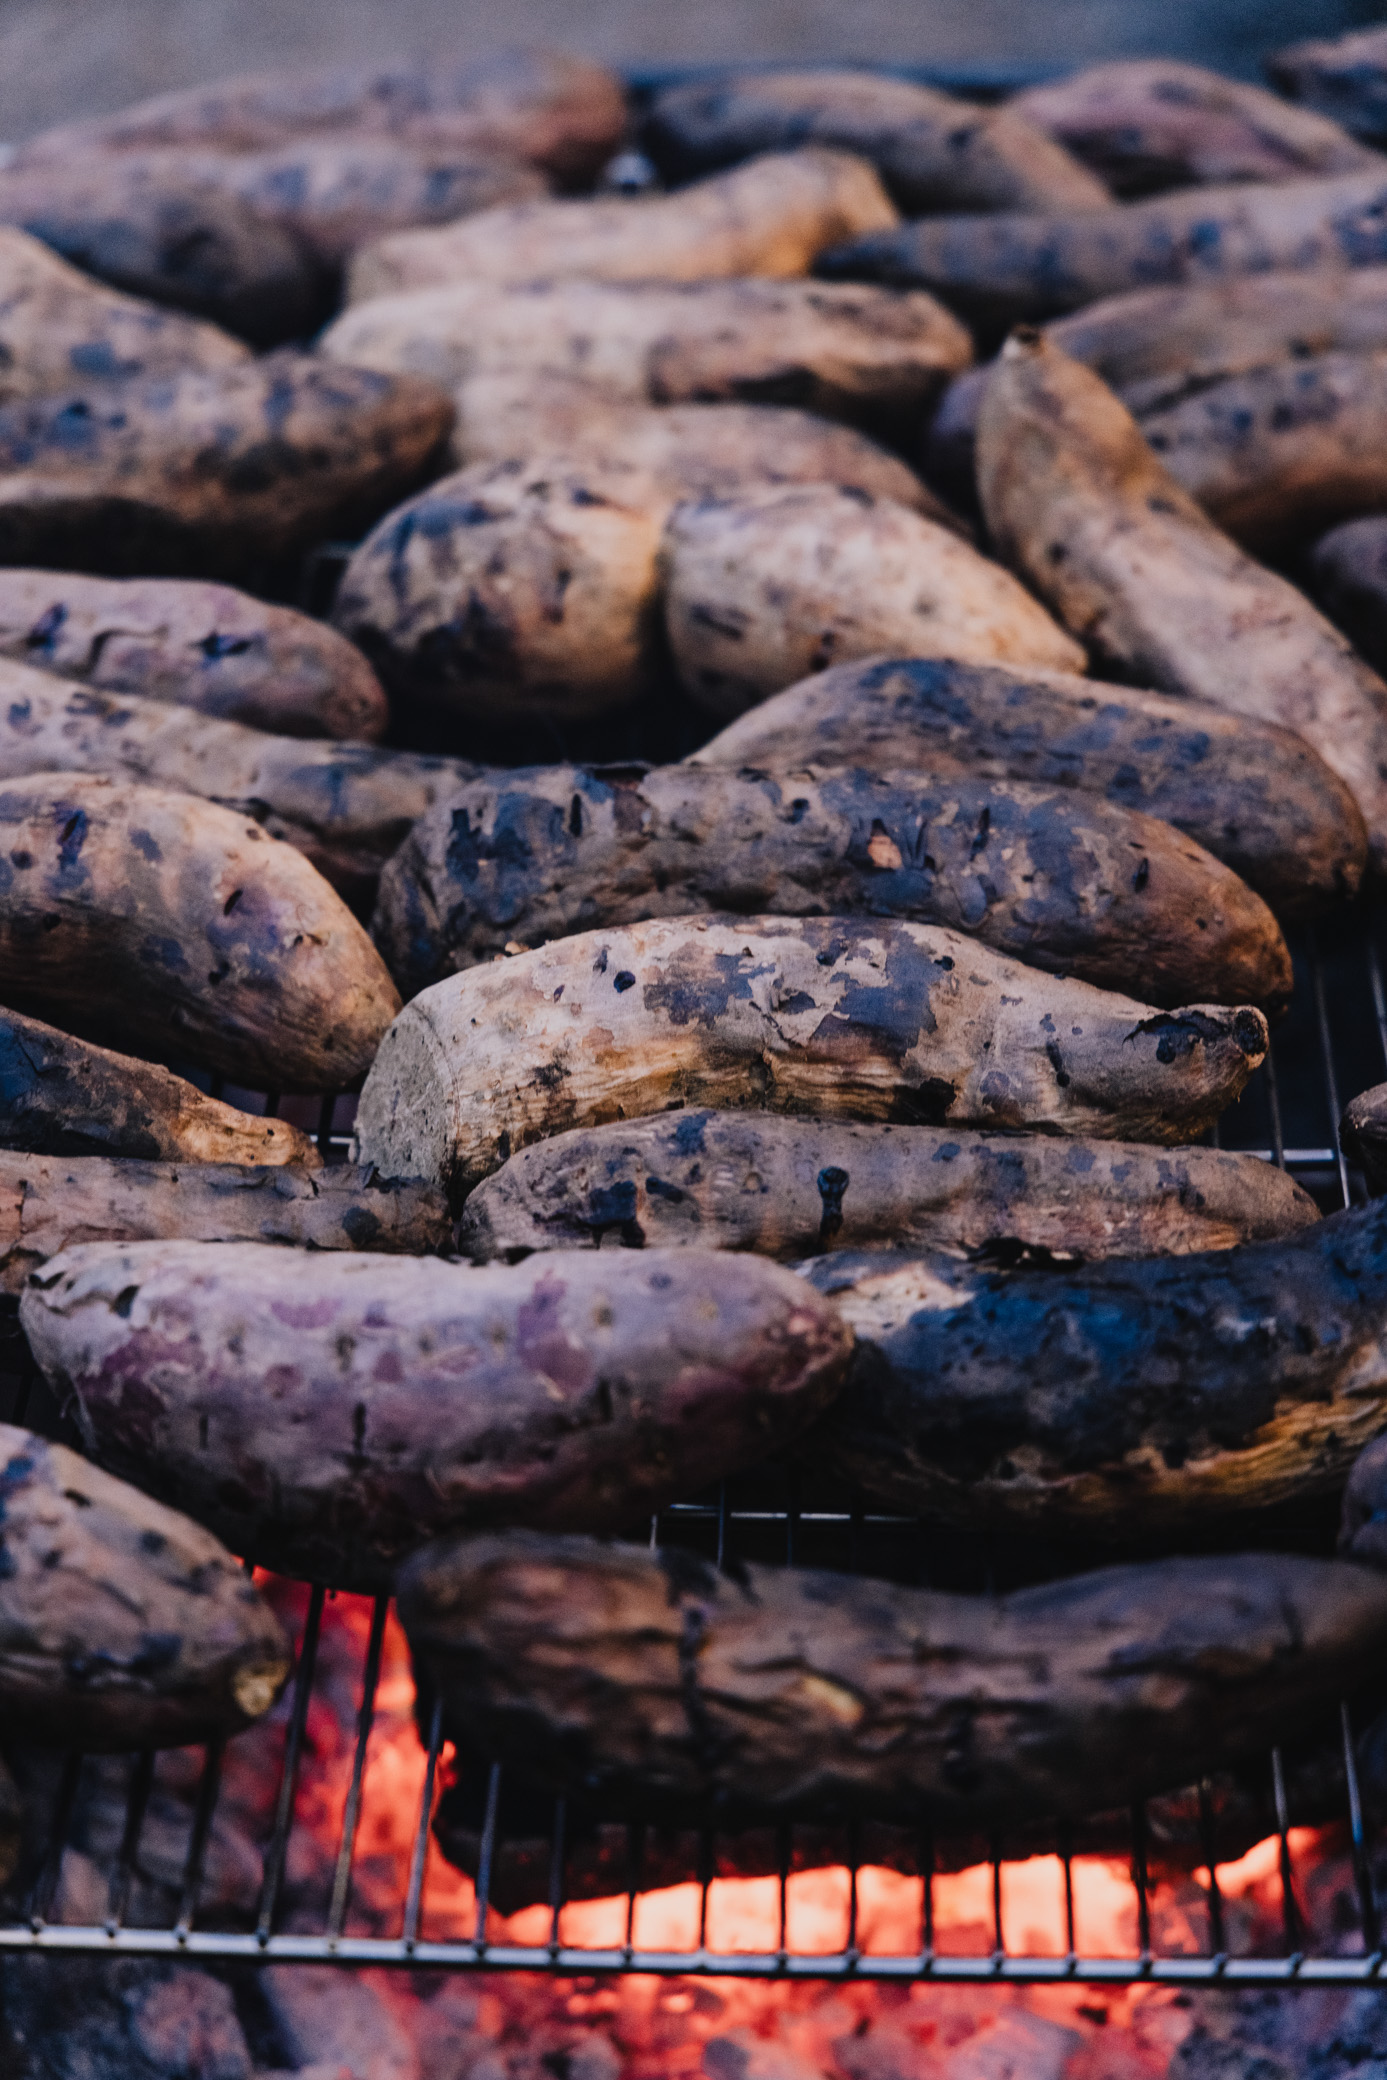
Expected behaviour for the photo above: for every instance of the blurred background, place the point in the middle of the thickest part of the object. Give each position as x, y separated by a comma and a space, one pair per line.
64, 57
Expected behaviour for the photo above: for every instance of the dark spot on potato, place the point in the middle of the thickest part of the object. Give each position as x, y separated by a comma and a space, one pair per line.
232, 900
124, 1301
832, 1184
73, 839
624, 980
147, 845
1141, 876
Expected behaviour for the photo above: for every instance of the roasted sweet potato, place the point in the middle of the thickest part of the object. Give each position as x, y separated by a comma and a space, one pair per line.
859, 353
175, 925
1076, 500
122, 1623
663, 1689
1363, 1136
53, 1203
197, 645
331, 1413
784, 1187
766, 586
770, 217
836, 1017
1170, 1400
932, 151
60, 1096
1349, 571
1059, 880
1143, 124
997, 270
561, 113
1343, 77
210, 470
1252, 793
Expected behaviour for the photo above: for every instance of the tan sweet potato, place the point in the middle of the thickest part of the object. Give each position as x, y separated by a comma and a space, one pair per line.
838, 1017
786, 1187
209, 469
60, 1096
770, 217
178, 926
864, 354
195, 645
1343, 77
122, 1623
1143, 124
330, 1413
1059, 880
1075, 498
932, 151
1252, 793
767, 586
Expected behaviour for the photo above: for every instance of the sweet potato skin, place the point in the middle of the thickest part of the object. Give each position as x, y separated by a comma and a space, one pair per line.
785, 1187
60, 1096
1343, 77
173, 924
1252, 793
198, 645
932, 151
122, 1623
1363, 1136
595, 1388
766, 586
838, 1017
1062, 882
770, 217
1128, 1403
659, 1688
1077, 500
1349, 573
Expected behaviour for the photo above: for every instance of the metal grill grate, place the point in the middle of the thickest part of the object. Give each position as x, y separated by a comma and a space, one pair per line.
321, 1811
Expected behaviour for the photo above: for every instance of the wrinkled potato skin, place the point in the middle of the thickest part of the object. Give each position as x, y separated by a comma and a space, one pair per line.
331, 1413
1252, 793
1059, 881
1151, 584
932, 151
60, 1096
768, 586
785, 1187
1349, 573
869, 355
195, 645
122, 1623
839, 1017
173, 924
770, 217
1143, 124
1343, 77
209, 470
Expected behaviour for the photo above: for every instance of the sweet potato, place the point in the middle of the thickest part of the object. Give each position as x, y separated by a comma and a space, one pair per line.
196, 645
662, 1689
785, 1187
764, 587
1168, 1400
870, 355
1143, 124
331, 1413
1363, 1136
122, 1623
1349, 573
836, 1017
60, 1096
1055, 879
932, 151
1252, 793
563, 114
770, 217
346, 806
178, 926
54, 1203
997, 270
210, 469
1076, 499
1363, 1526
1343, 77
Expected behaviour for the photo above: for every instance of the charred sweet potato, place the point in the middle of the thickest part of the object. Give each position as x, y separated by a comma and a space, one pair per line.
1060, 880
838, 1017
176, 925
1252, 793
784, 1187
1077, 501
122, 1623
330, 1413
